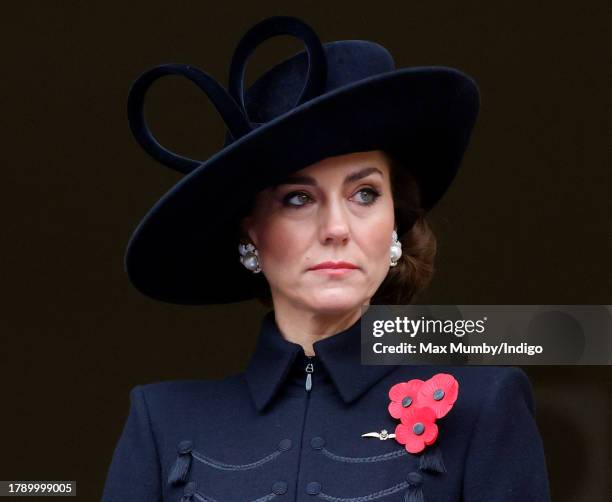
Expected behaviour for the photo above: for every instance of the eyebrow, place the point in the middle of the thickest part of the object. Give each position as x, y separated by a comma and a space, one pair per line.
308, 180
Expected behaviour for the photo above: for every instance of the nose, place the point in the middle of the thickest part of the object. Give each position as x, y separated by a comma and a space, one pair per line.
334, 222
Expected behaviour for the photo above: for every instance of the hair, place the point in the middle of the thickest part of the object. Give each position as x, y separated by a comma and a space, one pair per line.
415, 268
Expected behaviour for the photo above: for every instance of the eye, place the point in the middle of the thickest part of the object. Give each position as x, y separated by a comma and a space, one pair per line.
300, 199
370, 196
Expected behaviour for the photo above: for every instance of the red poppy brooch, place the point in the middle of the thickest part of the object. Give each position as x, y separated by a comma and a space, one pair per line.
418, 404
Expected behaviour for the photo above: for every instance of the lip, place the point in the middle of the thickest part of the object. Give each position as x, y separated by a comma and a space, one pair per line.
334, 265
334, 272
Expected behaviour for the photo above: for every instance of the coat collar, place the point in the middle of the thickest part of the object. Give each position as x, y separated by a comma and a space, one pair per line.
340, 354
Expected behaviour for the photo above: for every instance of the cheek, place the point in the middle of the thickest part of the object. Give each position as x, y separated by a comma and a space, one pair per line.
281, 244
376, 240
376, 251
378, 232
380, 248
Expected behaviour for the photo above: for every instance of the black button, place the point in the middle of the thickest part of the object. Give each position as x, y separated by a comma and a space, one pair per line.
407, 401
317, 442
415, 478
185, 447
284, 445
313, 488
279, 487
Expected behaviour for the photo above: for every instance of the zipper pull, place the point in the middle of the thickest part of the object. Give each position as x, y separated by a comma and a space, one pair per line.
309, 370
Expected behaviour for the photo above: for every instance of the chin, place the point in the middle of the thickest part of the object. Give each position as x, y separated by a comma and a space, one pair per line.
338, 300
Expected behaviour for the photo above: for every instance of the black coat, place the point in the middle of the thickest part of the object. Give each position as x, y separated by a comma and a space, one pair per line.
261, 435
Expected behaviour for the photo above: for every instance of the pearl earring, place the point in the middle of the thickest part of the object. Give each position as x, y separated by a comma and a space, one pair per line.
249, 257
396, 249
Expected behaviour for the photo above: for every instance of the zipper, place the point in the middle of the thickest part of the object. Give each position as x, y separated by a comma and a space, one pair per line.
309, 370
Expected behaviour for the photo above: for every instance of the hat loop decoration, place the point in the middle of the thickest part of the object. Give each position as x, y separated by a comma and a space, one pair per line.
230, 112
268, 28
230, 105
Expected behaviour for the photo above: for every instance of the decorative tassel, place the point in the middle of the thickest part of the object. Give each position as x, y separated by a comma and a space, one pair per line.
180, 469
415, 490
431, 460
188, 492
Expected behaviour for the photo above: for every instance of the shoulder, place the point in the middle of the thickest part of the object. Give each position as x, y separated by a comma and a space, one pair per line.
498, 384
494, 397
494, 386
489, 378
177, 395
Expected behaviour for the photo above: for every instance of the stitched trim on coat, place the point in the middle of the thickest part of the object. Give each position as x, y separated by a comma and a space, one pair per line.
233, 467
372, 496
374, 458
203, 498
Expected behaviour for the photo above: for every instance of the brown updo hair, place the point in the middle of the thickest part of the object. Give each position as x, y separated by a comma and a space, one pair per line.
415, 268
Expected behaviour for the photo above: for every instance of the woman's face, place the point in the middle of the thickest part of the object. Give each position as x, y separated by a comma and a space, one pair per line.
338, 209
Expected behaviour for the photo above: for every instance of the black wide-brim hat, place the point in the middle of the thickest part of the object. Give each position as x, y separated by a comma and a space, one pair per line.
332, 99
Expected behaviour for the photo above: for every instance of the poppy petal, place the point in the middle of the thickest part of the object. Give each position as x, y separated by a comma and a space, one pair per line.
402, 433
395, 409
431, 434
415, 444
397, 391
441, 383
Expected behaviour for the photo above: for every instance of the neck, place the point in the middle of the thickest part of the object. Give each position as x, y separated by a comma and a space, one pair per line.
305, 327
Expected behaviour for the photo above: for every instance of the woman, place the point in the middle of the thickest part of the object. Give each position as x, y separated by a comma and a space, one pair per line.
324, 187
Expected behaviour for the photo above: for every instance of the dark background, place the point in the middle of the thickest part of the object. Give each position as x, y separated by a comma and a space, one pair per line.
526, 222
